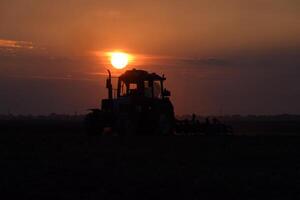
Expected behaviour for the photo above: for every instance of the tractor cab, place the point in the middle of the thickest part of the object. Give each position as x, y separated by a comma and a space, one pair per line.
136, 88
143, 84
138, 83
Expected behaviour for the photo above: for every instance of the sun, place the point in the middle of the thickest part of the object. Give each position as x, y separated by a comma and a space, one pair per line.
119, 60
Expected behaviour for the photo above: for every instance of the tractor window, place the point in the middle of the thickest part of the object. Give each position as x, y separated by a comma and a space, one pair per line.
133, 88
157, 89
123, 89
147, 89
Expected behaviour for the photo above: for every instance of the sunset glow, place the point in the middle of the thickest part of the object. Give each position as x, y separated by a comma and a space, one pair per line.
218, 56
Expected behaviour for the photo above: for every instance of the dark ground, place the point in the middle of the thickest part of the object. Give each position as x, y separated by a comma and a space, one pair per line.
50, 164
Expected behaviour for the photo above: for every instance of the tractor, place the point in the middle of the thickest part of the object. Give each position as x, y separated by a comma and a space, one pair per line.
139, 105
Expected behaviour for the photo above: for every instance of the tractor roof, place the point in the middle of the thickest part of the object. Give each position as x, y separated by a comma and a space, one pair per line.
135, 75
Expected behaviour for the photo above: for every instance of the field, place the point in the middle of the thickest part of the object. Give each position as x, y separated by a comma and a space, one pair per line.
65, 163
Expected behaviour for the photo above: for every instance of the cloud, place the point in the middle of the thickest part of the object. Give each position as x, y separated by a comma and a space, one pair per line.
188, 61
15, 44
206, 61
59, 78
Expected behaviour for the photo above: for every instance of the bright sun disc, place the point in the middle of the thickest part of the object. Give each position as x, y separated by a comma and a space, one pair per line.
119, 60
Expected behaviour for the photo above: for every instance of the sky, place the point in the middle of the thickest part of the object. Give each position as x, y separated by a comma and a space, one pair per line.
219, 56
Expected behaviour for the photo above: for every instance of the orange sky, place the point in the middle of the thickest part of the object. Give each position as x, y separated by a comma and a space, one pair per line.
224, 51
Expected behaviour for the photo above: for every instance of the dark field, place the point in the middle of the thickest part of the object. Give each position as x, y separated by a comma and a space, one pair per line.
47, 163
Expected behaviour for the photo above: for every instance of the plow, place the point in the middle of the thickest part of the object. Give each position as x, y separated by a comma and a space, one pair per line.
140, 105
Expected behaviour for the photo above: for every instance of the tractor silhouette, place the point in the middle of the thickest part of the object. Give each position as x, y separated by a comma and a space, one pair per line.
140, 105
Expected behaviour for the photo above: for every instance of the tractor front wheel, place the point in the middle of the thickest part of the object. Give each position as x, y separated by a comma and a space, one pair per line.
94, 123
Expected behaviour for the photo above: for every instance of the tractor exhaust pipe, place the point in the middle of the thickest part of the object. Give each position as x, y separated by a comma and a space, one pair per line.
109, 86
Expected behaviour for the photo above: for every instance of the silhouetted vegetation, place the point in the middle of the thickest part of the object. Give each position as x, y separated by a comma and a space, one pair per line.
242, 125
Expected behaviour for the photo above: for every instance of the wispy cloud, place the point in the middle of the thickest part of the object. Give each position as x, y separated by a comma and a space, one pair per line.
186, 61
67, 78
15, 44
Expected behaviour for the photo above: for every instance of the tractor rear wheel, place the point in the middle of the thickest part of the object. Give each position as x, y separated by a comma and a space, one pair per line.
126, 127
165, 125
